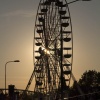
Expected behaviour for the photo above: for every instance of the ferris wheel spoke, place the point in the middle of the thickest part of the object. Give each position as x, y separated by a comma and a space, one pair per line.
54, 29
52, 19
54, 40
54, 67
51, 29
51, 11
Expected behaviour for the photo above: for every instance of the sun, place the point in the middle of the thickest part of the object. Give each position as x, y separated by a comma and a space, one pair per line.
45, 50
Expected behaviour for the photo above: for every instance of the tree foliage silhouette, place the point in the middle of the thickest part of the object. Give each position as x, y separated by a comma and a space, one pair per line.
88, 83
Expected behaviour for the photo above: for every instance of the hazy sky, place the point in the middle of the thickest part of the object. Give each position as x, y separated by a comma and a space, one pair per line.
17, 19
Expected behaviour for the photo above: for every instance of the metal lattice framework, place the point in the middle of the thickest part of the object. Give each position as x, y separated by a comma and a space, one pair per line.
53, 48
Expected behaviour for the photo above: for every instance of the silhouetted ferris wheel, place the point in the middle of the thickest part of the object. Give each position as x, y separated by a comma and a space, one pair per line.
53, 50
53, 47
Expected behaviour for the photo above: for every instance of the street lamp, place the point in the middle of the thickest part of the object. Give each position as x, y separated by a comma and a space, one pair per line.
76, 1
5, 71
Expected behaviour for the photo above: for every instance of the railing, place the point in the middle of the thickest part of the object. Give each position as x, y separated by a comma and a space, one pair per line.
30, 95
15, 94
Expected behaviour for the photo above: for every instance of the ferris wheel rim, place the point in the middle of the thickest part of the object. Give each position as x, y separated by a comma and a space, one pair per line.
71, 31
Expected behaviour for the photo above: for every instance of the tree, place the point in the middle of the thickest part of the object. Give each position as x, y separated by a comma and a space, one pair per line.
88, 83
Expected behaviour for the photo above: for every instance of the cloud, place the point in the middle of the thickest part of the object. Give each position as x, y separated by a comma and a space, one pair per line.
21, 13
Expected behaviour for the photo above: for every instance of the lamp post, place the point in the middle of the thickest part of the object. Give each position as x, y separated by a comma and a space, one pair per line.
5, 71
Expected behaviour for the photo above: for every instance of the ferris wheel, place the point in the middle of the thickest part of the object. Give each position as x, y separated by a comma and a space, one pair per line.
52, 51
53, 47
